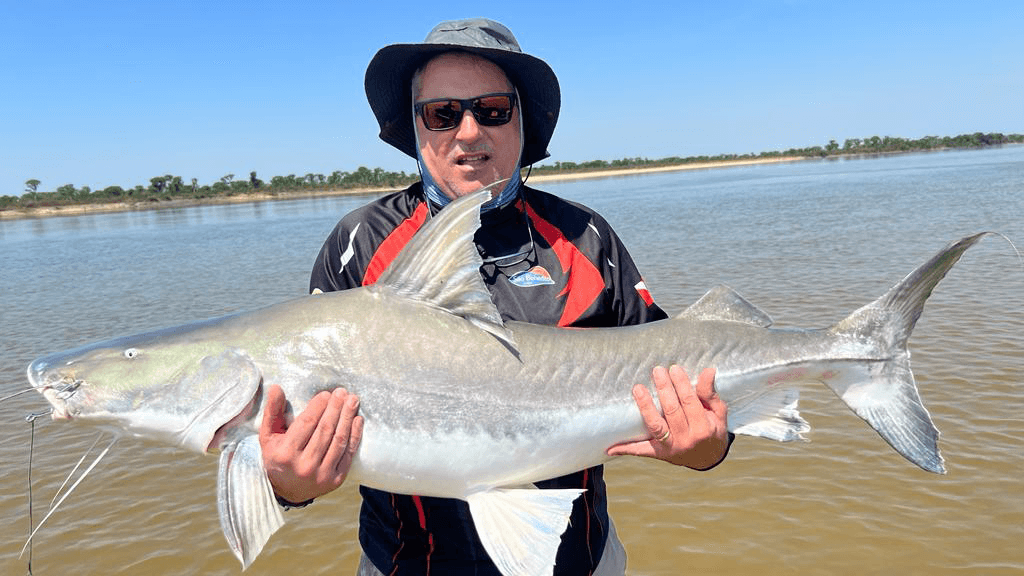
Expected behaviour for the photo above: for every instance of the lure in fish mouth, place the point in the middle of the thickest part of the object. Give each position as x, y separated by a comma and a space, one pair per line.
55, 388
56, 400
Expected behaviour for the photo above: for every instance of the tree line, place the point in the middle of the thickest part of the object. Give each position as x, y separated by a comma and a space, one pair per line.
170, 187
851, 146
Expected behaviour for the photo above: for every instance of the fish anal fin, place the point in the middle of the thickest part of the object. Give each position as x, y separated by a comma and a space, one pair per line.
724, 303
521, 528
771, 414
249, 514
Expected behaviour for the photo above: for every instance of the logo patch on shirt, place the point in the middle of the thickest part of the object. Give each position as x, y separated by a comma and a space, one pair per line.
536, 276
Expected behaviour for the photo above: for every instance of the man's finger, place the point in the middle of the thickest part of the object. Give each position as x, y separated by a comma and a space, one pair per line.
688, 398
302, 428
323, 435
273, 415
345, 462
708, 394
641, 448
342, 434
656, 425
667, 393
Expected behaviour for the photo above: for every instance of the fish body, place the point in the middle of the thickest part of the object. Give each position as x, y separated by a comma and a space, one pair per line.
459, 404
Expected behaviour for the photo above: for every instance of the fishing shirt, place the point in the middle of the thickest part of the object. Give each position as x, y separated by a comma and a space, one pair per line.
546, 261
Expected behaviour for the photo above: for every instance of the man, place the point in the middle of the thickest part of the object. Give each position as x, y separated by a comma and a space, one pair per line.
473, 109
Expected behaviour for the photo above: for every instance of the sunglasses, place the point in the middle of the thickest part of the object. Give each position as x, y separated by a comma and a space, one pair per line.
446, 113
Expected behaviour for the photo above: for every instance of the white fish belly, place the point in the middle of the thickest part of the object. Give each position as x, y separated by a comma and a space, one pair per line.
456, 463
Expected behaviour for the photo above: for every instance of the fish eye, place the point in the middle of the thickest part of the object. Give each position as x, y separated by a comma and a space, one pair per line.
131, 353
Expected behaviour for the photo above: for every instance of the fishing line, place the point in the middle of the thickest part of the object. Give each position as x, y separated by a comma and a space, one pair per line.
26, 391
31, 419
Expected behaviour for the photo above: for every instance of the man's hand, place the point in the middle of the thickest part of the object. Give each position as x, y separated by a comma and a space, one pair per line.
312, 456
692, 432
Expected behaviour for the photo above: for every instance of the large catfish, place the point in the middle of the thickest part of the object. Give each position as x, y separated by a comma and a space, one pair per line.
459, 404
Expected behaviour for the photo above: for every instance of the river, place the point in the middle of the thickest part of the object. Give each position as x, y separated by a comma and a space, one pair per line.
806, 242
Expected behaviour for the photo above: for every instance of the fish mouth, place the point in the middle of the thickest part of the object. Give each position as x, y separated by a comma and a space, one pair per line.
60, 408
55, 389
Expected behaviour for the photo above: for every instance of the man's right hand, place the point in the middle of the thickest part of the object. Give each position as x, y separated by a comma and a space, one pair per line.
312, 456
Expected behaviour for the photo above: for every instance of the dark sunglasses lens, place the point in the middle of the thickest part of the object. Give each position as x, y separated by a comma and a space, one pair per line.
442, 115
492, 110
446, 114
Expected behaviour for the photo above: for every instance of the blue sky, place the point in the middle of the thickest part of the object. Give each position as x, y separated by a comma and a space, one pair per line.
115, 93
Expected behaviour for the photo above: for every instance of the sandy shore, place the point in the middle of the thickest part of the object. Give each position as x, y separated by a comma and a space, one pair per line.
673, 168
79, 209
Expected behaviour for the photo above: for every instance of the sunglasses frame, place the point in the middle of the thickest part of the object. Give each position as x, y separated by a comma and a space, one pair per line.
466, 104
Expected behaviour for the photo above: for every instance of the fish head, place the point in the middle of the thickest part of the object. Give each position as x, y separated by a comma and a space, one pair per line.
165, 385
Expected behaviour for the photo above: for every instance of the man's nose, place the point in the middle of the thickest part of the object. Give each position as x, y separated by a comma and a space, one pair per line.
468, 128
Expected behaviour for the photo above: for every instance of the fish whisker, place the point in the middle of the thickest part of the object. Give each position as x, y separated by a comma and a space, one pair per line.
75, 469
56, 506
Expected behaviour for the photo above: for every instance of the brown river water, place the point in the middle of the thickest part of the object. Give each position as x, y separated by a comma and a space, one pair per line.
806, 242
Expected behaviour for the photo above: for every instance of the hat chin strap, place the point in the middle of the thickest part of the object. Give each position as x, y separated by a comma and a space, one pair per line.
439, 199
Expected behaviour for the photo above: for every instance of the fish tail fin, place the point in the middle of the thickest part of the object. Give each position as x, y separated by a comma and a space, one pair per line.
886, 397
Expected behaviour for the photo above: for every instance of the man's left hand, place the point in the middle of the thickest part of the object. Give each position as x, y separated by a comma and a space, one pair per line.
690, 429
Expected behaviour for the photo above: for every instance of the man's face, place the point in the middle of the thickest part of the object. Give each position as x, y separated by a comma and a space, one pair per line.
469, 156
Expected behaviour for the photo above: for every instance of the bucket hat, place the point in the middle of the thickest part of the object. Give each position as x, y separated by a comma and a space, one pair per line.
389, 76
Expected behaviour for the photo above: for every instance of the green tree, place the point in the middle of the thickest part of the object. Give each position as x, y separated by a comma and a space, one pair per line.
66, 192
32, 186
157, 184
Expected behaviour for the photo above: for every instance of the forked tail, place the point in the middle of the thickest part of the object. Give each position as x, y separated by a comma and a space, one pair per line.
887, 398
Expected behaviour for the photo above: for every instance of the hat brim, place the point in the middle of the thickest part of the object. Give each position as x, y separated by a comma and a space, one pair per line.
388, 90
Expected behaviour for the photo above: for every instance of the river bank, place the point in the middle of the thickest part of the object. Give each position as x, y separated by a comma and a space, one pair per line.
79, 209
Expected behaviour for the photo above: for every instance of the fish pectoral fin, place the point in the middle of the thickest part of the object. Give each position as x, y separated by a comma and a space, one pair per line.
521, 528
249, 514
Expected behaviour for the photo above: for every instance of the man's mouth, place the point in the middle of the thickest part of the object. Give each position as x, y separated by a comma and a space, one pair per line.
475, 158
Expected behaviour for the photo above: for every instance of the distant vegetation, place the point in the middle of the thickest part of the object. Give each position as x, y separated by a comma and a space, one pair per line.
853, 146
170, 187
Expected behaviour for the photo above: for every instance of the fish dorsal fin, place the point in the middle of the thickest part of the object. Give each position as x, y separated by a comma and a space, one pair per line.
724, 303
440, 266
